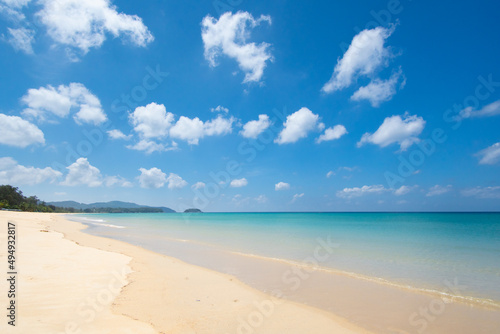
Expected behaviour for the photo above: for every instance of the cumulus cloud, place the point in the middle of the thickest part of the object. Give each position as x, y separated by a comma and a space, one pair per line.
219, 109
175, 181
253, 129
61, 101
155, 178
198, 185
396, 129
332, 133
281, 186
192, 130
378, 91
13, 173
83, 173
118, 181
85, 24
491, 109
15, 131
152, 178
482, 192
490, 155
364, 190
298, 125
149, 146
151, 121
364, 56
228, 36
117, 134
21, 39
438, 190
238, 183
403, 190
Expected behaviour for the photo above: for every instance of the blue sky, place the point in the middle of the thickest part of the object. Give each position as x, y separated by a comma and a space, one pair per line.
238, 105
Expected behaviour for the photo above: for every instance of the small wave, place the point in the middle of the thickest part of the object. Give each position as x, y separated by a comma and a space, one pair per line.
108, 225
94, 220
445, 296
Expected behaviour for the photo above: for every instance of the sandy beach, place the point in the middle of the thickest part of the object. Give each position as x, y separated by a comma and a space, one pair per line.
71, 282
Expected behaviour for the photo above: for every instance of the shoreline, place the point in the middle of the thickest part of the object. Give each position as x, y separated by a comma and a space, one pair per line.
164, 293
370, 304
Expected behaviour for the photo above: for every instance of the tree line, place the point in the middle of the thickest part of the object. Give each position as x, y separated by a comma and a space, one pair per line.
11, 198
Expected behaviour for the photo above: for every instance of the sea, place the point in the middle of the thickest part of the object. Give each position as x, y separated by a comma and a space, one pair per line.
453, 256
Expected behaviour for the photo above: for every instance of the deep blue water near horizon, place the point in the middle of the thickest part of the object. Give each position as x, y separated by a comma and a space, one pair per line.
420, 250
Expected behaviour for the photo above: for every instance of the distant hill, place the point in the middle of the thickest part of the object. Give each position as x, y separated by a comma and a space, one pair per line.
192, 211
102, 205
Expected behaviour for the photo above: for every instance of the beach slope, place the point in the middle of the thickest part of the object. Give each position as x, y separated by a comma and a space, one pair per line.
72, 282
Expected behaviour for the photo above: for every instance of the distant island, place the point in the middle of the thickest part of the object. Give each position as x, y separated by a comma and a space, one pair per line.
11, 198
193, 211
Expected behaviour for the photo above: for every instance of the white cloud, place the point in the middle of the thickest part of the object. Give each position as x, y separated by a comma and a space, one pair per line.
192, 130
490, 155
491, 109
378, 91
395, 129
253, 129
82, 172
148, 146
403, 190
117, 134
61, 100
22, 39
438, 190
364, 56
358, 192
118, 181
228, 36
198, 185
85, 24
482, 192
219, 109
330, 174
175, 181
281, 186
152, 121
219, 126
296, 197
332, 133
13, 173
15, 131
298, 125
238, 183
12, 8
152, 178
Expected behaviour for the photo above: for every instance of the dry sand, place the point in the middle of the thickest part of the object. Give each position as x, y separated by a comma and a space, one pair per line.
72, 282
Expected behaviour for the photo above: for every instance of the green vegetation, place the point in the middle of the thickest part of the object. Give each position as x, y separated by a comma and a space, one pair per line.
11, 198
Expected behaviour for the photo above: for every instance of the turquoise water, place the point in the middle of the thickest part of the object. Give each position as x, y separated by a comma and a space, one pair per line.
419, 250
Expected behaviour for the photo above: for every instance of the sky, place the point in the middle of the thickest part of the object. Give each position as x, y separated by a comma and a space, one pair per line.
237, 105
